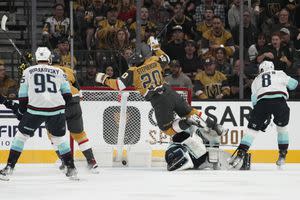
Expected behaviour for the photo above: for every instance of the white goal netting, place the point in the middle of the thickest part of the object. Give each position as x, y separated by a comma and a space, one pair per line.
117, 120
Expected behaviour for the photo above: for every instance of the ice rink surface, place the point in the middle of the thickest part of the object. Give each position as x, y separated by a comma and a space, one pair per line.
46, 182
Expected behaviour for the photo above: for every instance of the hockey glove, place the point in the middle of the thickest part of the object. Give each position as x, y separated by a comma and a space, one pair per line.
101, 77
153, 43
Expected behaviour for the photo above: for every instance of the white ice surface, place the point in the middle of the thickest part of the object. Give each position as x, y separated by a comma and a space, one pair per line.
46, 182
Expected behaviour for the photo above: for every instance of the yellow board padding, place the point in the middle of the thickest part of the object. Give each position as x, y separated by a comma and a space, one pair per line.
49, 156
32, 156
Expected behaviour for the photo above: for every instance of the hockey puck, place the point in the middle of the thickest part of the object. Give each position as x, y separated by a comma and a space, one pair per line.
124, 162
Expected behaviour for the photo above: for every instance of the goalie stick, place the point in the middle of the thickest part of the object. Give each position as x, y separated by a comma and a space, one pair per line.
3, 28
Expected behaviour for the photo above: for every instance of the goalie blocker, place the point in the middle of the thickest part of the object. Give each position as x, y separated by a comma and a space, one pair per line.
183, 154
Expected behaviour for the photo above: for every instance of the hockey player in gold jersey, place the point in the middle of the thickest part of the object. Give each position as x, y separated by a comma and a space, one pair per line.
147, 77
75, 121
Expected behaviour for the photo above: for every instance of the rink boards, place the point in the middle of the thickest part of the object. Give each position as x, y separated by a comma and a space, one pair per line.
232, 114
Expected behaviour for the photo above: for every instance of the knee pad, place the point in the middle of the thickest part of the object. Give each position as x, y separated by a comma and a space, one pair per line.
195, 146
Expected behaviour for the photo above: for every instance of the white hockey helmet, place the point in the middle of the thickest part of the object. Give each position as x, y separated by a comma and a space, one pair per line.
266, 66
43, 54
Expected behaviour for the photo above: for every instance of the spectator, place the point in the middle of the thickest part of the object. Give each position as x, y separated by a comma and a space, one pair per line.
127, 52
234, 14
177, 78
63, 52
206, 24
284, 22
109, 70
286, 40
250, 32
127, 11
222, 63
188, 26
218, 10
121, 40
297, 51
212, 39
257, 47
175, 48
268, 12
190, 9
107, 28
158, 14
297, 16
190, 62
89, 78
145, 23
277, 53
93, 15
234, 82
210, 83
8, 86
56, 26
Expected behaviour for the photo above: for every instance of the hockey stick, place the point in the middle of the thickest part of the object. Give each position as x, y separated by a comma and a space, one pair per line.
3, 28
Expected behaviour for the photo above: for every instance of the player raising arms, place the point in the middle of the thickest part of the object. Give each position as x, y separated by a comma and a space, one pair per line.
269, 95
147, 77
43, 93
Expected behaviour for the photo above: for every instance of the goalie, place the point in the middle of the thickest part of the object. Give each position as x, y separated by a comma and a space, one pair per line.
200, 150
147, 77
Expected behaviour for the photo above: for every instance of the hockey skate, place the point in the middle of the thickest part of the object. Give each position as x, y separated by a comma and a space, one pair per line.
238, 159
72, 173
93, 166
281, 159
62, 167
6, 172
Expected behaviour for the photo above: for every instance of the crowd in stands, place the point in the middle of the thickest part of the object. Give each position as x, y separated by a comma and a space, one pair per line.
201, 38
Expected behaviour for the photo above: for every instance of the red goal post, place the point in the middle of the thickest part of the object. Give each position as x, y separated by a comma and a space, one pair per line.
119, 119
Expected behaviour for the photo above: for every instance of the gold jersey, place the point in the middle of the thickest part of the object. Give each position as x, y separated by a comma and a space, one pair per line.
71, 79
146, 78
211, 86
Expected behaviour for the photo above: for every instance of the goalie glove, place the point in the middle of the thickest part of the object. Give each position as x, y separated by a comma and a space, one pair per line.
101, 77
153, 43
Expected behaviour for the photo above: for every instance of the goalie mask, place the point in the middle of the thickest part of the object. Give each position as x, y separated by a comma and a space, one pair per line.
178, 158
43, 54
266, 66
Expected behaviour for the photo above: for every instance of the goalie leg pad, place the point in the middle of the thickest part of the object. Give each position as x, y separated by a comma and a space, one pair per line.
195, 146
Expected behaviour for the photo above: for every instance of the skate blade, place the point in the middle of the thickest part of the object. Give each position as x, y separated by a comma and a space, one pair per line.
4, 178
74, 178
280, 167
94, 171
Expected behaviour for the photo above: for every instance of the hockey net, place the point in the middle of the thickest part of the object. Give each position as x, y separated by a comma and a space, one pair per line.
117, 120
